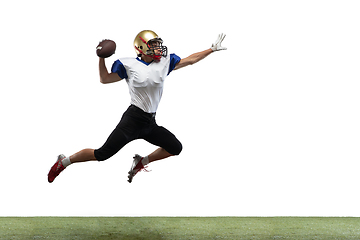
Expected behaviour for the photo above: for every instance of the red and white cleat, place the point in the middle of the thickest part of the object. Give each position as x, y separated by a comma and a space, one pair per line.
136, 167
56, 169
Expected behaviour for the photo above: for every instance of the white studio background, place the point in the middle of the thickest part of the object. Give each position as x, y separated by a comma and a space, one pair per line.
270, 127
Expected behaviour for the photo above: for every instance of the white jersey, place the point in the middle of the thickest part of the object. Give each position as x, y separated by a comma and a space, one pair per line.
145, 80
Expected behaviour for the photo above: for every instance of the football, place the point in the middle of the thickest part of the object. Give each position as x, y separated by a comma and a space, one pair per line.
106, 48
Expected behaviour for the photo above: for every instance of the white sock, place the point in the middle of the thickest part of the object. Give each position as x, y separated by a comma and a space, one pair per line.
145, 161
66, 162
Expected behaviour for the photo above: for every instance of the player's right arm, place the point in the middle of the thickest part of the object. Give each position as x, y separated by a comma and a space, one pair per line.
105, 76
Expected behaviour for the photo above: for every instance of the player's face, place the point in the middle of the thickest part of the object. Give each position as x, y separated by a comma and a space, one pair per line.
156, 47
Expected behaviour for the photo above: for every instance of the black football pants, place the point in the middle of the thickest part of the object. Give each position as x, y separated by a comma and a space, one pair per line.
137, 124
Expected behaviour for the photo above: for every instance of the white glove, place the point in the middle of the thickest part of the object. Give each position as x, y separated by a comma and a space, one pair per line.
217, 45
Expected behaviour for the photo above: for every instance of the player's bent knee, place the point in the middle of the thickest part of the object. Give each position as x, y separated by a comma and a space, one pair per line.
176, 150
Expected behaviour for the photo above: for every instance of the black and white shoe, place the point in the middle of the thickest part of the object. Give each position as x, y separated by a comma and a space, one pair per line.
136, 167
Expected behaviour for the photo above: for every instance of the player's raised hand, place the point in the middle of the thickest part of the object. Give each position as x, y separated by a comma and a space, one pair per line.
217, 45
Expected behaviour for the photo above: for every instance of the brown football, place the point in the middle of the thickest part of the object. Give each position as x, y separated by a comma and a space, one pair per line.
106, 48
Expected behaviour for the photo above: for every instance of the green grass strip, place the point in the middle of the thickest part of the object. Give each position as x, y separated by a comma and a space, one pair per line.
179, 228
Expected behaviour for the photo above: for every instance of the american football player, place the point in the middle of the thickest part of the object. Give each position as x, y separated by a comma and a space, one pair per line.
145, 76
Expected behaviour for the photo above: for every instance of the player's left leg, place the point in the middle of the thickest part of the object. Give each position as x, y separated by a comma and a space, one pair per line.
167, 141
139, 162
158, 154
169, 146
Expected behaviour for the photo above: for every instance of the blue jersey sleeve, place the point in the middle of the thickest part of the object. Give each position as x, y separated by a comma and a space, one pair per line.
174, 59
119, 68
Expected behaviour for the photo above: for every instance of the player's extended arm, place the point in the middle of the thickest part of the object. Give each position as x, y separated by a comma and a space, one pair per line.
105, 76
194, 58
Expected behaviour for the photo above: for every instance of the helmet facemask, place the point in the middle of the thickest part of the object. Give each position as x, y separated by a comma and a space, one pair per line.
155, 48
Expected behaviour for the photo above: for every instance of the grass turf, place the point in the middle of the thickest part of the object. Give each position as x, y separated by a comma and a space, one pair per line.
179, 228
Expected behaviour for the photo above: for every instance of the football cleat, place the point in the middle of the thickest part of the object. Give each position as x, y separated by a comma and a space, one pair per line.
136, 167
56, 169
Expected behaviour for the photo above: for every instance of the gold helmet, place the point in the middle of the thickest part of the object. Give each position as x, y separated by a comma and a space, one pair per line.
144, 44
